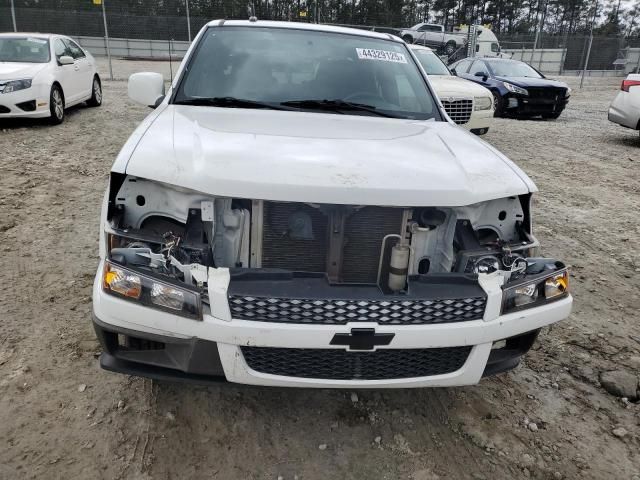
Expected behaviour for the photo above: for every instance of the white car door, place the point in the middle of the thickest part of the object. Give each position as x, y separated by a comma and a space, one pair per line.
66, 74
83, 68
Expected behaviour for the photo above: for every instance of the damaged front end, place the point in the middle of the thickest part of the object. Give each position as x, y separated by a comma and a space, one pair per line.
194, 255
163, 242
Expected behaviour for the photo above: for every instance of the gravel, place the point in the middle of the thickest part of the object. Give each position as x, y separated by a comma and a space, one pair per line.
51, 187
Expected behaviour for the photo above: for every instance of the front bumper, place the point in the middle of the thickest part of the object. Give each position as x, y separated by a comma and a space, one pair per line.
480, 120
15, 104
625, 110
523, 106
211, 349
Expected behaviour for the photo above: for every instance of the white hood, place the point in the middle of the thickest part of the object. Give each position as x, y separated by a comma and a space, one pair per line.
18, 71
322, 158
451, 85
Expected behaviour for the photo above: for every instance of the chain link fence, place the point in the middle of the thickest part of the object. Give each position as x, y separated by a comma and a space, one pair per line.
160, 30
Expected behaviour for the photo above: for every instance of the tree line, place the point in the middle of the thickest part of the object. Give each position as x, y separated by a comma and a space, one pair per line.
557, 17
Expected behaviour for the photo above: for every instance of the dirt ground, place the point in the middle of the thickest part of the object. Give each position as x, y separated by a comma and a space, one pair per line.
63, 417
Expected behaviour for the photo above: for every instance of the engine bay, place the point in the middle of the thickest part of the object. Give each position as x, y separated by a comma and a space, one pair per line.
179, 235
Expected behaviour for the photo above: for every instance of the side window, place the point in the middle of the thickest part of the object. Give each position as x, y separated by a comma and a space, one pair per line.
479, 66
59, 48
74, 50
462, 66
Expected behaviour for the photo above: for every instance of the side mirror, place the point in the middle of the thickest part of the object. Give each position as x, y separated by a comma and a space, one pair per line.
66, 60
453, 70
146, 88
481, 74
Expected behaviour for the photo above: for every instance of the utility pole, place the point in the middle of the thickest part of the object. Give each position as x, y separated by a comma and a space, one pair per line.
13, 16
188, 20
586, 61
106, 38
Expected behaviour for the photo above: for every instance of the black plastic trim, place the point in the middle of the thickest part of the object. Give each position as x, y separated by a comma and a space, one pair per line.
186, 360
276, 283
507, 358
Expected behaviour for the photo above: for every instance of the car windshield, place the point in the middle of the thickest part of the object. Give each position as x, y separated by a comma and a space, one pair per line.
24, 49
513, 69
431, 62
285, 68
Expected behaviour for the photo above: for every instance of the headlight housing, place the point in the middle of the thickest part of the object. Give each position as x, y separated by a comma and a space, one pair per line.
482, 103
15, 85
533, 292
567, 94
515, 89
151, 292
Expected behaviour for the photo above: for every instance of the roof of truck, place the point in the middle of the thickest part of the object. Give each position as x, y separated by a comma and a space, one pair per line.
304, 26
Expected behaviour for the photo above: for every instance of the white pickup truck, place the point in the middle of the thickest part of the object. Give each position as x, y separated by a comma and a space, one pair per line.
433, 35
299, 210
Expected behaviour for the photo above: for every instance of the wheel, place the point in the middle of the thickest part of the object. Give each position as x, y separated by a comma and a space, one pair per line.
497, 104
56, 105
551, 116
450, 48
407, 38
96, 93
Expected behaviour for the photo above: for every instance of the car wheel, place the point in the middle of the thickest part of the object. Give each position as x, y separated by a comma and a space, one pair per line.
450, 48
551, 116
96, 93
497, 104
407, 38
56, 105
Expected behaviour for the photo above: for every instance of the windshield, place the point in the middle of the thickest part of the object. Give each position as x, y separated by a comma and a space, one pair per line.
430, 62
513, 69
237, 67
24, 49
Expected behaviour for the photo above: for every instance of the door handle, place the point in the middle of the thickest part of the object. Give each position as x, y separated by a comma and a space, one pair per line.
76, 68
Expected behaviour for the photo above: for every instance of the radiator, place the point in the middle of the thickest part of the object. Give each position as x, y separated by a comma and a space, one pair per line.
364, 230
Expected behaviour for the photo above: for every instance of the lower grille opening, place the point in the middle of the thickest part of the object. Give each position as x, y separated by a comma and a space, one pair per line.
4, 109
29, 106
127, 342
334, 364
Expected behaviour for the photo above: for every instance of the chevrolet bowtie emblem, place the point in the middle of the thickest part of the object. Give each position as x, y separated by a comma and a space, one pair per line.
362, 339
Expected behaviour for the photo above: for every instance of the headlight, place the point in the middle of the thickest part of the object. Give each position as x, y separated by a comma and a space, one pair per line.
543, 289
514, 89
482, 103
151, 292
15, 85
568, 92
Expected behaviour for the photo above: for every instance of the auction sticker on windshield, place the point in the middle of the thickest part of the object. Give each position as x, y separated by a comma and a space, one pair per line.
381, 55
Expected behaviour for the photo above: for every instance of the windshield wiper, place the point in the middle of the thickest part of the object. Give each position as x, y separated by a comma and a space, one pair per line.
229, 102
337, 106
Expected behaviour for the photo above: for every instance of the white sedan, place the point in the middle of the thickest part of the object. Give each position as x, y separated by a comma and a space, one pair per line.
625, 108
42, 75
468, 104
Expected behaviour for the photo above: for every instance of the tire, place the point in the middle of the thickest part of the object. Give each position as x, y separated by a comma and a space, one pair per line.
551, 116
450, 48
56, 105
498, 104
96, 93
407, 38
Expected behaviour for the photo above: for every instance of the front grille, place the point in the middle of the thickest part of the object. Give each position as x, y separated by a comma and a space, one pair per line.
364, 230
459, 110
546, 93
334, 364
340, 312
